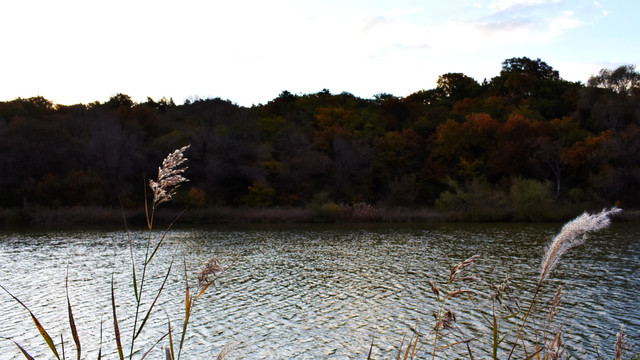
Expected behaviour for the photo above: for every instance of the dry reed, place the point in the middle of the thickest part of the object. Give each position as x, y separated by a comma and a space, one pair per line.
574, 233
551, 345
621, 345
169, 177
163, 188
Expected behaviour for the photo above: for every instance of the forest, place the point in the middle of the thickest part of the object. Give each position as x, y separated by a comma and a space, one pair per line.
524, 145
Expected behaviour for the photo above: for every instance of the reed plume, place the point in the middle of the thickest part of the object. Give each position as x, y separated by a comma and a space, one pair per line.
169, 177
555, 306
210, 269
445, 318
574, 233
621, 345
456, 269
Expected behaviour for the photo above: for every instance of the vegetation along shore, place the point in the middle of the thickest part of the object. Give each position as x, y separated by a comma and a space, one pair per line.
525, 145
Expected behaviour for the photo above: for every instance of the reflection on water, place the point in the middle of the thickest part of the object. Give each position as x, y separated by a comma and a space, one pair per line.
311, 292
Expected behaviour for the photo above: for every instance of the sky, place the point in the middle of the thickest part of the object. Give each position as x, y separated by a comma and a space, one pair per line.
249, 51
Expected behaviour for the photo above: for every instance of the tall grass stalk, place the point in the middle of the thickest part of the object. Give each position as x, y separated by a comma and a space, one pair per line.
163, 188
444, 316
573, 233
550, 344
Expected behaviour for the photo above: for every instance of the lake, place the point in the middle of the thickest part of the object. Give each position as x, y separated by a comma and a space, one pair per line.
311, 291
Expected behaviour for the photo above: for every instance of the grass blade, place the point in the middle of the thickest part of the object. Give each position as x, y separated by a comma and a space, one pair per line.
406, 353
204, 288
133, 263
370, 350
164, 235
400, 348
24, 352
534, 354
170, 353
41, 329
146, 317
415, 344
146, 205
72, 323
154, 345
116, 330
100, 346
187, 311
225, 350
45, 336
495, 337
62, 346
469, 351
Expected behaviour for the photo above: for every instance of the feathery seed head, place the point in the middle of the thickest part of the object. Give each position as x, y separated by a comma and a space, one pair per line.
169, 177
211, 268
574, 233
456, 269
502, 294
434, 288
555, 306
556, 349
621, 345
447, 321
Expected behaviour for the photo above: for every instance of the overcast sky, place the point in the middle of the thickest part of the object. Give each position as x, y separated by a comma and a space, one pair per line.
249, 51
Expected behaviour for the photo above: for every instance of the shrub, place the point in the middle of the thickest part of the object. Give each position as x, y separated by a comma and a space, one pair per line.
532, 200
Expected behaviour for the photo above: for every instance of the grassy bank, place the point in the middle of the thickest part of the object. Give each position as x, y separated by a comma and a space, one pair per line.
218, 215
326, 213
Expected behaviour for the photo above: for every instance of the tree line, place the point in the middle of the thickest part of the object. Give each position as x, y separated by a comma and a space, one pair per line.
522, 143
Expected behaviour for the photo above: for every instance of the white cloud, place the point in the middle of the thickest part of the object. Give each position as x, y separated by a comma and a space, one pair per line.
599, 6
507, 4
566, 20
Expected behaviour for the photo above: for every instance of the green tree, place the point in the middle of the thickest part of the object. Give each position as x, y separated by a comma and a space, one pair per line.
457, 86
119, 100
521, 78
528, 69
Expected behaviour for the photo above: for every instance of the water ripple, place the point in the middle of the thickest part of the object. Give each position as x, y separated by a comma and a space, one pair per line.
313, 292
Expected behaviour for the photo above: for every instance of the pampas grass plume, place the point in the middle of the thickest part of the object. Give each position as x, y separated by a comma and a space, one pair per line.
574, 233
169, 177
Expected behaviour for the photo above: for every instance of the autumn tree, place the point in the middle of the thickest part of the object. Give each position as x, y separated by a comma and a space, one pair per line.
466, 145
515, 144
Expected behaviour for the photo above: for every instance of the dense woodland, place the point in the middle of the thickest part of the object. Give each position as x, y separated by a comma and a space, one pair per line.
522, 145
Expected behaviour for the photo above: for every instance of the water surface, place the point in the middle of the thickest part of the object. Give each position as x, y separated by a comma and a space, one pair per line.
310, 291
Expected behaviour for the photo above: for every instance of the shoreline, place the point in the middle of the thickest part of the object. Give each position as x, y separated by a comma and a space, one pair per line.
112, 216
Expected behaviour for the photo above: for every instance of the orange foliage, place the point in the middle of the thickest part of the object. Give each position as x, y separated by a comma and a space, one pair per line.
466, 105
576, 155
518, 126
470, 140
332, 123
594, 142
480, 124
